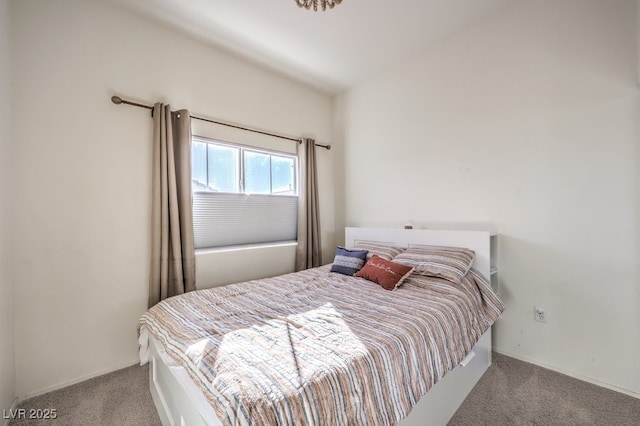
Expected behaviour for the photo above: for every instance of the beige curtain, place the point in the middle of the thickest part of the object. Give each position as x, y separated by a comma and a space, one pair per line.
172, 250
308, 253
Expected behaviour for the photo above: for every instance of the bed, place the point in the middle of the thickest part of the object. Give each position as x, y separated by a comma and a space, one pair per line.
319, 347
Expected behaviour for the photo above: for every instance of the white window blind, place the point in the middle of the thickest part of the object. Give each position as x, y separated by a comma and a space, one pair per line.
226, 219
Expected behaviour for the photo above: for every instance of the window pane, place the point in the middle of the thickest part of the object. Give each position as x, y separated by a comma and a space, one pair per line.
198, 166
224, 175
282, 174
257, 173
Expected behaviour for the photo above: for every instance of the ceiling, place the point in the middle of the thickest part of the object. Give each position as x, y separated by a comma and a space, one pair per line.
329, 50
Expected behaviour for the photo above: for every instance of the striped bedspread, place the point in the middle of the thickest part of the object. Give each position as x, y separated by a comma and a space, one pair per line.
321, 348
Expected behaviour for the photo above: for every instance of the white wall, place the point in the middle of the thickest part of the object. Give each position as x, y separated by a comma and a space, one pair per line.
82, 201
7, 364
526, 122
224, 266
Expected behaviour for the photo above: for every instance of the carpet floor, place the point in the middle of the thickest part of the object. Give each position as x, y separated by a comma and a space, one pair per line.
511, 393
118, 398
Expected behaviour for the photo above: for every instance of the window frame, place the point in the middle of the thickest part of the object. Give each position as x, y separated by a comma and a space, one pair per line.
242, 148
224, 219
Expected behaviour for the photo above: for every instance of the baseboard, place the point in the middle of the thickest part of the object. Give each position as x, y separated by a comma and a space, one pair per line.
571, 374
76, 381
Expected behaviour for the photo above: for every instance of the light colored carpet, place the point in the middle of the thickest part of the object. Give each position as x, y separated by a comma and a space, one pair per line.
118, 398
515, 393
511, 393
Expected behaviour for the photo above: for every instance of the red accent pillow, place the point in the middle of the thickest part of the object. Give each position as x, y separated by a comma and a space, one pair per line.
384, 272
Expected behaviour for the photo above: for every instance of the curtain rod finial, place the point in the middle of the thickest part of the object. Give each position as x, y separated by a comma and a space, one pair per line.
328, 147
116, 100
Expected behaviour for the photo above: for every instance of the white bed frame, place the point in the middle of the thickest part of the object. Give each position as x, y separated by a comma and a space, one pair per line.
180, 402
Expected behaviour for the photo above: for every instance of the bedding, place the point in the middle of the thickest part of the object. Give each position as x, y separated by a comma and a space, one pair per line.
384, 272
451, 263
347, 261
387, 252
316, 347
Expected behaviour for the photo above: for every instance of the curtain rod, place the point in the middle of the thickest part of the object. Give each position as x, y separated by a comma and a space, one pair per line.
118, 100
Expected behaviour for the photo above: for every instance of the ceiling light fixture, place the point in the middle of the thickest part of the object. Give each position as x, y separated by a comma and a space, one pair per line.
324, 3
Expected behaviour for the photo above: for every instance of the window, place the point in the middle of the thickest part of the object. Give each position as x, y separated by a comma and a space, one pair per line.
242, 195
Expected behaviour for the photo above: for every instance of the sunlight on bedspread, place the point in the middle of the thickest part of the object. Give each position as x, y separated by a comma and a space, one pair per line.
281, 338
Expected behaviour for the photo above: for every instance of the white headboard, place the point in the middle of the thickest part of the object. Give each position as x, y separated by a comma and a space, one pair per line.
478, 241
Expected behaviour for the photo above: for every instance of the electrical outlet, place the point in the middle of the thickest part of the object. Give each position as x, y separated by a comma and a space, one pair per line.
539, 314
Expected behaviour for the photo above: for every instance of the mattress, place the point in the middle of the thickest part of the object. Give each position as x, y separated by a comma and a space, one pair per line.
316, 347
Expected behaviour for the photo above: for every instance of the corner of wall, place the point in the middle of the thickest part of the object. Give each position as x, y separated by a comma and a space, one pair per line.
13, 409
638, 42
7, 330
338, 129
